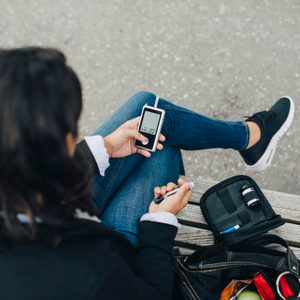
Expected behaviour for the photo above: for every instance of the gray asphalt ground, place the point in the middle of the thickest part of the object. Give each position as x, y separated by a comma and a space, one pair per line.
224, 59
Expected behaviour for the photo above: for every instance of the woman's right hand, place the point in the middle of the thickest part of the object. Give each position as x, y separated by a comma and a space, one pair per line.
175, 203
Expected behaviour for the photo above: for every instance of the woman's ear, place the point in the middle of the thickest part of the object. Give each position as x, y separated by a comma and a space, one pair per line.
71, 144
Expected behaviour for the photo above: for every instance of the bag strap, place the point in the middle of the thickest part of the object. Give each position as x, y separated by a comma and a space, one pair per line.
268, 239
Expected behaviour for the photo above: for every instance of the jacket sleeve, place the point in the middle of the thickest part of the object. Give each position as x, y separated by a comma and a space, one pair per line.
155, 259
84, 156
154, 277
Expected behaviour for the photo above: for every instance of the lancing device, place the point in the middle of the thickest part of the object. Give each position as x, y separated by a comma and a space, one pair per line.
160, 198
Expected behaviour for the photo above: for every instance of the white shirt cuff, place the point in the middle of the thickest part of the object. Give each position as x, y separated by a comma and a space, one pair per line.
96, 145
161, 217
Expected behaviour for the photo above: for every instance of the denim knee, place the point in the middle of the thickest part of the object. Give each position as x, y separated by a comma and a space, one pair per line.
142, 98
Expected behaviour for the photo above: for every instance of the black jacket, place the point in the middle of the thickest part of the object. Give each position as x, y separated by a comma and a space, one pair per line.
89, 261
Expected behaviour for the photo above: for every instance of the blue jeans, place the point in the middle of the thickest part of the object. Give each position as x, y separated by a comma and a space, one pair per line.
123, 195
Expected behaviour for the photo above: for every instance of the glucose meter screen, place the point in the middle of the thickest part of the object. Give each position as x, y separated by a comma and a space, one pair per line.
150, 122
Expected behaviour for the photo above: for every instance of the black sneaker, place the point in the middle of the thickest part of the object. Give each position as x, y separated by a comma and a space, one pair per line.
273, 125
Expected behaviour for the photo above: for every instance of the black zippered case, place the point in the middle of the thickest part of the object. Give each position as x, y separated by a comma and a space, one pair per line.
234, 214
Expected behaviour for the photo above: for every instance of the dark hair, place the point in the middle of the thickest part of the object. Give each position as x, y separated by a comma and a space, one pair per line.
40, 102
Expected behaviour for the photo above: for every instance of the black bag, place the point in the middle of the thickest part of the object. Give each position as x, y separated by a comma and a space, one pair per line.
204, 274
238, 213
236, 209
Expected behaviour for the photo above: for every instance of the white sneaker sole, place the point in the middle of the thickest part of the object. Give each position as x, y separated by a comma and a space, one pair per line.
267, 157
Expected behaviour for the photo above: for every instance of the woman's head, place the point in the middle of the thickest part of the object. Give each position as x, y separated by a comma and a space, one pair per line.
40, 104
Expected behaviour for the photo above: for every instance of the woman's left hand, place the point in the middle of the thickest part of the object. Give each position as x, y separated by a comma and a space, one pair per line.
120, 143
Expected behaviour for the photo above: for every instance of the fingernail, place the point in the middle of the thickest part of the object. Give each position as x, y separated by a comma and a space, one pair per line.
187, 185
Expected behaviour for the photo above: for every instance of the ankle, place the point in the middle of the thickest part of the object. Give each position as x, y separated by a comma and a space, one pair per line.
254, 134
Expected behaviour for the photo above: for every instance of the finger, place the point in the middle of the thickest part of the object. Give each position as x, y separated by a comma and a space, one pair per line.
171, 186
162, 138
144, 152
187, 198
132, 124
183, 204
132, 133
159, 146
181, 181
156, 191
183, 190
163, 190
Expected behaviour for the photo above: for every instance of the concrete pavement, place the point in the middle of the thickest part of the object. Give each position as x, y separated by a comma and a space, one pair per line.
224, 59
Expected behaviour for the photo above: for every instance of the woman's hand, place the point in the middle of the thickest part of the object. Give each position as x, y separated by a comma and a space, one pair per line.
175, 203
120, 143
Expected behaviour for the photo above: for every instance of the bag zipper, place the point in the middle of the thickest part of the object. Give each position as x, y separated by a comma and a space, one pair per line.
186, 284
230, 264
221, 266
188, 291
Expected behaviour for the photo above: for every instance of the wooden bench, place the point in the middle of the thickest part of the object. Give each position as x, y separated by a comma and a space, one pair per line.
195, 232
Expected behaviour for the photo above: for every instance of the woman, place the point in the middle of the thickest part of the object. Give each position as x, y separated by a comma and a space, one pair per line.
46, 250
